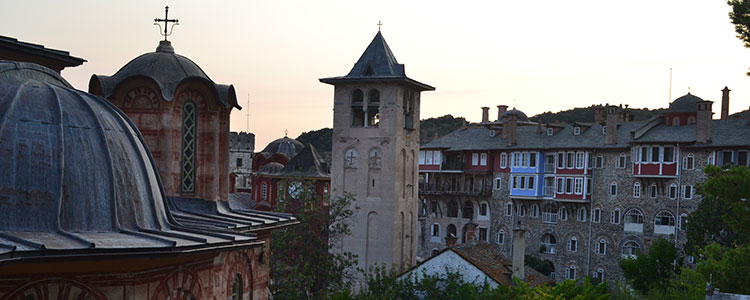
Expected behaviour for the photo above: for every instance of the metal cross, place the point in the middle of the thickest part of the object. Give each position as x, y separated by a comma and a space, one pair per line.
379, 24
166, 21
286, 132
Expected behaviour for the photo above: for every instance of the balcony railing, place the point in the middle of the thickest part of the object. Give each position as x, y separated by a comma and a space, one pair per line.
455, 189
550, 218
548, 248
549, 191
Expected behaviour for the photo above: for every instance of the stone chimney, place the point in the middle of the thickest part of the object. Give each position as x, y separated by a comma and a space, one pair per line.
435, 136
703, 122
599, 115
485, 115
450, 241
612, 116
725, 103
501, 109
519, 250
539, 127
509, 129
463, 124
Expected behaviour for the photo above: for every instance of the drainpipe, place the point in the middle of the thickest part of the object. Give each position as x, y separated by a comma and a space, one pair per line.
679, 195
591, 209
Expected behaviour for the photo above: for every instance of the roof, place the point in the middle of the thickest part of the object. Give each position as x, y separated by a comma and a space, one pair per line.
514, 112
288, 146
377, 64
307, 163
51, 58
82, 181
168, 70
687, 103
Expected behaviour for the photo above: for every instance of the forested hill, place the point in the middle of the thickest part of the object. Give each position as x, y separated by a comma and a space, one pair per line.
586, 114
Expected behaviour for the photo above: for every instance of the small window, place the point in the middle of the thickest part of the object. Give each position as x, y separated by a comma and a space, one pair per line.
563, 213
672, 193
581, 214
475, 159
676, 121
492, 133
483, 159
573, 244
580, 158
468, 210
237, 287
535, 211
350, 158
668, 154
614, 217
683, 221
604, 129
599, 274
622, 161
599, 162
264, 191
503, 160
498, 183
483, 234
601, 247
570, 160
532, 159
550, 131
576, 130
560, 185
613, 189
435, 229
688, 162
509, 209
239, 162
596, 216
500, 237
569, 185
687, 192
579, 186
570, 272
652, 191
531, 182
561, 160
375, 160
637, 190
691, 120
483, 209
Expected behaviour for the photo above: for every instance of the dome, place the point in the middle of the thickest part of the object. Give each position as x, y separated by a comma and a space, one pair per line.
687, 103
520, 116
167, 69
271, 168
76, 164
285, 145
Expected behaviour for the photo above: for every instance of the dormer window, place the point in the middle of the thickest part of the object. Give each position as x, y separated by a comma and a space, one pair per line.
604, 129
492, 133
550, 131
691, 120
576, 130
676, 121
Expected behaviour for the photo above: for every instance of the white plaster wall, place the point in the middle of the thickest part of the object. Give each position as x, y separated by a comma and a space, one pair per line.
450, 261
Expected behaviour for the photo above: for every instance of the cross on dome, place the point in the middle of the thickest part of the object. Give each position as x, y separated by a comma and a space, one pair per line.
166, 21
379, 24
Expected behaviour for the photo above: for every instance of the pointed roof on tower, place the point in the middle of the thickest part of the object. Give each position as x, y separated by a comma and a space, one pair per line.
377, 64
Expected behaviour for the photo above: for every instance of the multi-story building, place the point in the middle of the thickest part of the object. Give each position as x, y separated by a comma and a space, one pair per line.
587, 194
241, 146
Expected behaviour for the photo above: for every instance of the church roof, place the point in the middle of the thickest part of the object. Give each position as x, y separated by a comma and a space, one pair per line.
687, 103
168, 70
79, 179
287, 146
51, 58
307, 163
377, 64
514, 112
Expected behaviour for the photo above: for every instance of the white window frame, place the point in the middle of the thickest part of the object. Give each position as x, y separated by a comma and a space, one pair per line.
483, 159
637, 190
432, 230
596, 215
573, 244
422, 154
622, 161
475, 159
688, 162
500, 237
581, 214
580, 159
503, 160
484, 209
509, 209
672, 191
610, 188
601, 247
653, 191
570, 272
684, 192
578, 186
535, 211
498, 182
599, 161
550, 131
576, 130
615, 216
562, 213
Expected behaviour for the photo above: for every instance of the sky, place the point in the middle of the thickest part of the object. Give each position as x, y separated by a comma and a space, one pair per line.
536, 56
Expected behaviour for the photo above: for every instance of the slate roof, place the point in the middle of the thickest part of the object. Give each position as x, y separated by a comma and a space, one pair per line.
377, 64
287, 146
307, 163
514, 112
80, 180
59, 56
168, 70
687, 103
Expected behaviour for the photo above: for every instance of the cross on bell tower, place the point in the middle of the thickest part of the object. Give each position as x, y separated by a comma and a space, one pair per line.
166, 21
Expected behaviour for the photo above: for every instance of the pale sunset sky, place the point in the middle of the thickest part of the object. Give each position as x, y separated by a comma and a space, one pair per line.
547, 55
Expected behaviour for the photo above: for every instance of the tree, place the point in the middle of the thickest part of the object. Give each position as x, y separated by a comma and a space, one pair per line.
740, 17
302, 267
653, 269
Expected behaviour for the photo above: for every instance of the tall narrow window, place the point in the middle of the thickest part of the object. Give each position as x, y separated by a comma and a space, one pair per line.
409, 107
637, 190
189, 133
373, 108
237, 287
358, 112
503, 160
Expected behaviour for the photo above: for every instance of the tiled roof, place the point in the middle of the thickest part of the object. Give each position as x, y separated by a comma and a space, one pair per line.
487, 258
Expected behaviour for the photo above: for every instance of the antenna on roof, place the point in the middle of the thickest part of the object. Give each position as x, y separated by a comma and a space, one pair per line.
669, 101
247, 114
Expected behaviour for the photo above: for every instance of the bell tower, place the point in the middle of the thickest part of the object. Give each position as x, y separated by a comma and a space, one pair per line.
374, 158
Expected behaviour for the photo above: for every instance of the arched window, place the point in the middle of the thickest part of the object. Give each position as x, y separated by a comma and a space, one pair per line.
688, 162
498, 183
375, 159
451, 230
630, 249
548, 245
634, 216
468, 210
264, 191
601, 247
358, 112
613, 189
676, 121
664, 218
189, 134
599, 274
452, 209
672, 192
691, 120
435, 229
637, 190
350, 158
653, 191
581, 214
535, 211
237, 287
573, 244
373, 108
500, 237
409, 106
570, 272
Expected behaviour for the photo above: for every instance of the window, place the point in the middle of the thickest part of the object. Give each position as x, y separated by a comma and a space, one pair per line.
532, 159
688, 162
189, 134
569, 160
239, 162
630, 249
375, 160
604, 129
433, 206
573, 244
560, 185
672, 193
599, 274
427, 157
483, 159
492, 133
451, 231
599, 162
579, 186
550, 214
237, 287
550, 131
515, 181
516, 156
509, 209
614, 216
664, 218
588, 185
601, 247
687, 192
483, 209
742, 158
264, 191
596, 216
548, 245
652, 191
580, 156
500, 237
622, 161
453, 209
570, 272
475, 159
645, 151
358, 112
683, 222
676, 121
581, 214
668, 154
503, 160
498, 183
468, 211
637, 190
483, 234
563, 213
531, 182
613, 189
422, 157
634, 216
569, 185
525, 159
655, 154
350, 158
520, 210
576, 130
710, 159
436, 229
561, 160
535, 211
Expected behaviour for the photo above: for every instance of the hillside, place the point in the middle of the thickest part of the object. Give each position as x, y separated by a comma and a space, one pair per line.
586, 114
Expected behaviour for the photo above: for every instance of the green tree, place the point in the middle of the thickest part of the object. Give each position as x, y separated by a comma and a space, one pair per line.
740, 17
728, 268
441, 125
321, 139
652, 269
302, 267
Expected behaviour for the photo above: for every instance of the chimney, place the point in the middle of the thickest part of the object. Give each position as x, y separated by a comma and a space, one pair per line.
539, 127
485, 115
612, 116
519, 250
725, 103
435, 136
509, 129
599, 114
463, 124
471, 232
501, 109
703, 122
450, 241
